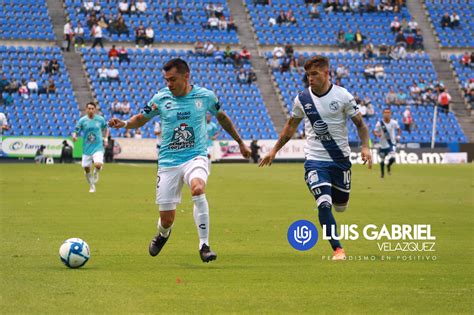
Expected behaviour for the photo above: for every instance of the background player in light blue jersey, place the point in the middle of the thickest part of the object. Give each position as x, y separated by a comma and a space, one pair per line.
212, 131
325, 108
182, 108
95, 134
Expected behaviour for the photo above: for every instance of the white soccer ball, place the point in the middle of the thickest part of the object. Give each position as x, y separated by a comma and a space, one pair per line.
74, 252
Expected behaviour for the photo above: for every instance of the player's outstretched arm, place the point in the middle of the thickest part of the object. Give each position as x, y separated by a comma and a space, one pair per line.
229, 127
363, 132
134, 122
285, 136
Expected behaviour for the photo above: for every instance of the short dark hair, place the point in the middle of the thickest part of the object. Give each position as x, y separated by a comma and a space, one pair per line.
178, 63
386, 109
318, 61
91, 103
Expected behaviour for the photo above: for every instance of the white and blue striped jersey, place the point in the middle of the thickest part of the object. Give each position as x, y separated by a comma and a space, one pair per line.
325, 127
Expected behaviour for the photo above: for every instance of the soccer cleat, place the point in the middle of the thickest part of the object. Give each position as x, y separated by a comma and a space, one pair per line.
96, 177
157, 244
207, 254
92, 188
339, 254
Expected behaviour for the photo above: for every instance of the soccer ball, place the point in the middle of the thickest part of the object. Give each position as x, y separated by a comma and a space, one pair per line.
74, 252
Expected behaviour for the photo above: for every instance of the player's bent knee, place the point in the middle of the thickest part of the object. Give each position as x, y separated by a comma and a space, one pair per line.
340, 207
197, 190
324, 200
98, 165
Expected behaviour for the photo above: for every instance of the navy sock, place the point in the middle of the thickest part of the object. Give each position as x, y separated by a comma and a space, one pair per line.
390, 162
326, 218
382, 167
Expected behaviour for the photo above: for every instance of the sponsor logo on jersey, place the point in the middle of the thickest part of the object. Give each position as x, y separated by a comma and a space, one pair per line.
183, 115
183, 137
321, 130
168, 105
307, 106
198, 104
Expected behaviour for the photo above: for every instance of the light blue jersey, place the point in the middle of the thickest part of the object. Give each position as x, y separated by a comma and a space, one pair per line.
92, 128
211, 132
183, 123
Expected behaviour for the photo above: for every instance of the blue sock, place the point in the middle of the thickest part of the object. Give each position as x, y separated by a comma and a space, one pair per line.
326, 218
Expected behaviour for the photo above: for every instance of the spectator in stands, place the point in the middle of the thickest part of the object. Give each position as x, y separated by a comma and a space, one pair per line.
415, 93
370, 7
222, 25
212, 22
32, 86
140, 35
314, 12
79, 35
113, 74
97, 34
395, 26
391, 97
402, 97
466, 59
116, 107
341, 71
209, 9
275, 63
87, 6
386, 6
54, 66
349, 39
124, 7
379, 72
178, 16
133, 7
370, 108
369, 72
169, 15
407, 119
12, 86
51, 88
331, 6
400, 39
290, 17
341, 40
345, 7
91, 20
3, 84
68, 35
123, 55
359, 39
208, 49
219, 10
97, 8
113, 54
242, 76
454, 20
445, 20
150, 36
428, 97
384, 51
126, 107
278, 52
444, 100
45, 67
218, 55
398, 53
245, 54
281, 18
231, 24
285, 64
369, 51
141, 6
412, 26
102, 72
289, 50
121, 27
418, 45
23, 90
199, 48
404, 26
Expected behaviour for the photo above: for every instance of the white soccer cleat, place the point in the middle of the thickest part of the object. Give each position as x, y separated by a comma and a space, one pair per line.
92, 188
339, 254
96, 177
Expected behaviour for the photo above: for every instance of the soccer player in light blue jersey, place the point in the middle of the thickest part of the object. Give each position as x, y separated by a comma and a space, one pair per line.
182, 109
212, 133
95, 134
325, 108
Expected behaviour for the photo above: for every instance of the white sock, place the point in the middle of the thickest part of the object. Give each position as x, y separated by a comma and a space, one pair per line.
165, 232
88, 177
201, 218
209, 166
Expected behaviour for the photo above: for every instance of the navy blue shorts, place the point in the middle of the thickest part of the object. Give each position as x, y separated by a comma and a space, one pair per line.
329, 178
390, 151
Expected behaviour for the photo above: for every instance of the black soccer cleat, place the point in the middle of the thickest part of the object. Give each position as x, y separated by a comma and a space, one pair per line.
157, 244
207, 254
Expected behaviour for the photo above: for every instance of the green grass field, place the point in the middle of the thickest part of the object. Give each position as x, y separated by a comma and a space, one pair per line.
256, 271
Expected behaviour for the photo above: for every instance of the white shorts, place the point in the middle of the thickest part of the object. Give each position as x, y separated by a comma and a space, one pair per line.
97, 157
170, 180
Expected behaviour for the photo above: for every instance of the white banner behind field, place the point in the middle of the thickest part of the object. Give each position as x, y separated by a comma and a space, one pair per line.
145, 149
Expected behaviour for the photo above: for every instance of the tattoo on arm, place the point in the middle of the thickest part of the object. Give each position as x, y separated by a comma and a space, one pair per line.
362, 129
287, 132
228, 126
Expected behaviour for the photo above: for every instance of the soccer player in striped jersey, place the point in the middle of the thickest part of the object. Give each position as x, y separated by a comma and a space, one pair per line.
325, 108
388, 130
